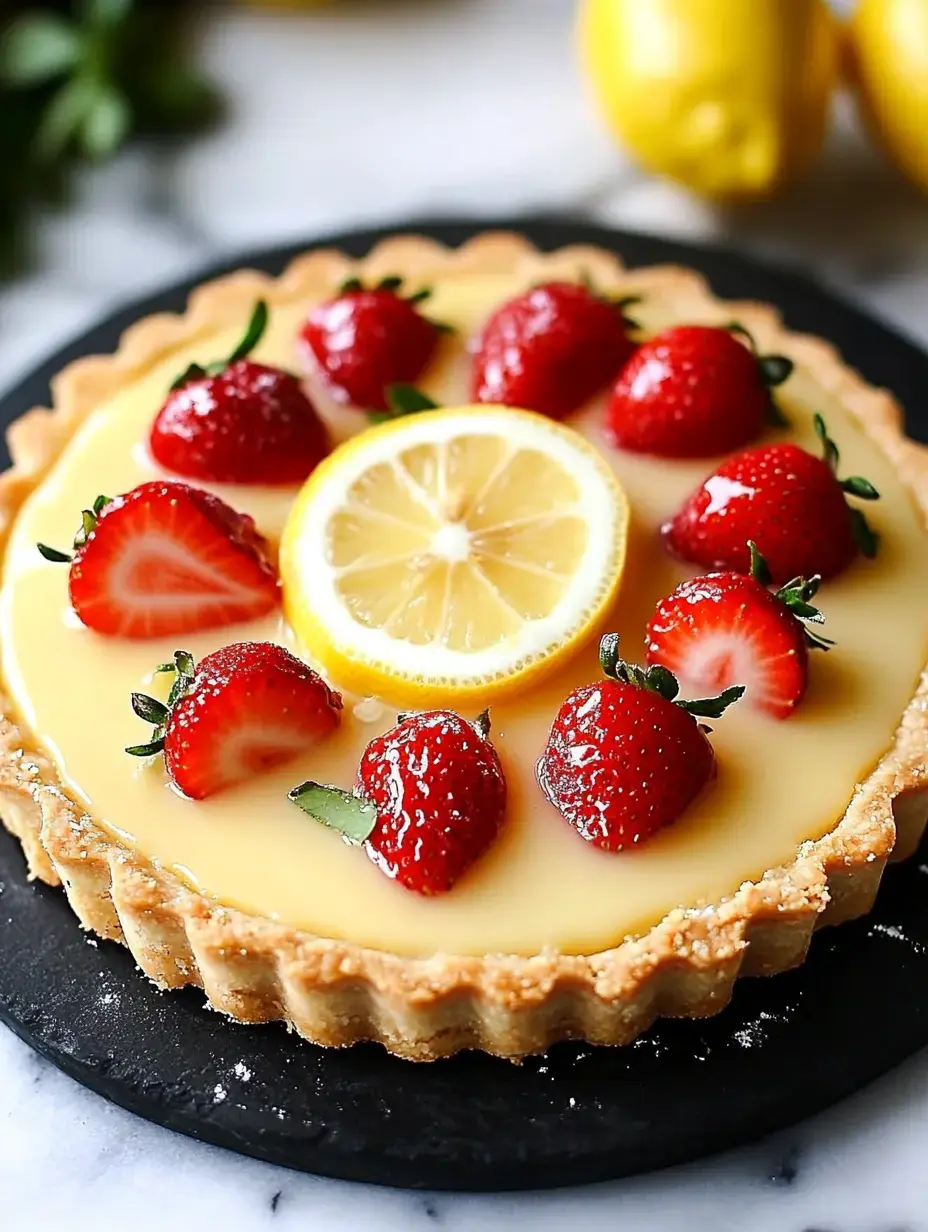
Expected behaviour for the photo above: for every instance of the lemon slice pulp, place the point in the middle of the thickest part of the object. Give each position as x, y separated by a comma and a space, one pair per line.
449, 557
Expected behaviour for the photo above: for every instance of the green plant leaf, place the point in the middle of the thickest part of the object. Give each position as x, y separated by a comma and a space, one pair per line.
64, 116
106, 125
36, 48
105, 12
352, 816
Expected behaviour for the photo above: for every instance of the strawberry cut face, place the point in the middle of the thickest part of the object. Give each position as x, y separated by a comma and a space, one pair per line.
726, 629
167, 559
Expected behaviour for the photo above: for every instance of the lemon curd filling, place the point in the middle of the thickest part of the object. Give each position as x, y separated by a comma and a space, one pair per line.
540, 885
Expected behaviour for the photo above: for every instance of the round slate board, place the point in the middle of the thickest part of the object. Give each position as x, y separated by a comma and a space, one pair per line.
784, 1049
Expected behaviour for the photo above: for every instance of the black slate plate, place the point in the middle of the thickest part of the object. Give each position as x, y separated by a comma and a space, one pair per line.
784, 1049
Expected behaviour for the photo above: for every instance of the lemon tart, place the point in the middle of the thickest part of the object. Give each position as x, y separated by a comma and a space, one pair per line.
463, 556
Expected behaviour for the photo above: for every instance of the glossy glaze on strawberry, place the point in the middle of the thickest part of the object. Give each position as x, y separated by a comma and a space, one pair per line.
167, 559
369, 338
237, 421
694, 392
787, 501
430, 799
724, 629
625, 757
550, 350
240, 711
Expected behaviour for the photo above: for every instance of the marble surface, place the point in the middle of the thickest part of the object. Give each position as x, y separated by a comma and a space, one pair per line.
352, 117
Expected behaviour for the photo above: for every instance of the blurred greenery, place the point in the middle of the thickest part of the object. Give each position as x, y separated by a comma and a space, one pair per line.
77, 80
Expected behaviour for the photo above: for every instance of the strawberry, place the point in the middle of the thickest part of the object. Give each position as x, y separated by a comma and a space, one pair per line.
240, 711
167, 559
368, 338
237, 421
551, 349
727, 628
624, 757
790, 503
694, 391
430, 799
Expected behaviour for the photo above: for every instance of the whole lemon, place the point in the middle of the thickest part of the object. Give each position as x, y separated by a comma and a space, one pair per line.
888, 46
730, 97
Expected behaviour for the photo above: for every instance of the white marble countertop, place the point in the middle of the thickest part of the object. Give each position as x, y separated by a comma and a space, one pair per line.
354, 117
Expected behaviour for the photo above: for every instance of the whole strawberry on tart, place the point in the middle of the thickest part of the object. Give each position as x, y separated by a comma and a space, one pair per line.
460, 645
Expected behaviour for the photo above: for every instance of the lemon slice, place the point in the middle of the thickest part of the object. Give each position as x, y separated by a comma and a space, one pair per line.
449, 557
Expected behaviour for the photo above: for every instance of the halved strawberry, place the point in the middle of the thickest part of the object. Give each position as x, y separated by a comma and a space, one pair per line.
242, 710
166, 559
724, 629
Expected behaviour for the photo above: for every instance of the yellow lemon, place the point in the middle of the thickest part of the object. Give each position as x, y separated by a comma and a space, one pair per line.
449, 557
730, 97
888, 60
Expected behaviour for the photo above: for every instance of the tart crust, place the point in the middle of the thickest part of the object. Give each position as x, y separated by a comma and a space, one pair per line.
336, 993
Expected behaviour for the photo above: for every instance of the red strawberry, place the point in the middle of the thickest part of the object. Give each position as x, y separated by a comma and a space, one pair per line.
430, 799
237, 421
624, 758
727, 628
167, 559
551, 349
790, 503
367, 339
694, 391
240, 711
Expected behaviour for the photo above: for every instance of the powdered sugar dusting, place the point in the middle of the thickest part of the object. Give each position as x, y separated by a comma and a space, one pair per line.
755, 1033
895, 933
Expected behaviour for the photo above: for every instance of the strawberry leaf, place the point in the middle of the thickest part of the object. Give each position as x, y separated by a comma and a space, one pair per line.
775, 369
760, 570
868, 541
352, 816
866, 537
830, 449
862, 488
735, 327
149, 709
146, 750
402, 400
193, 372
795, 595
661, 680
391, 283
350, 285
254, 332
609, 654
712, 707
52, 554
